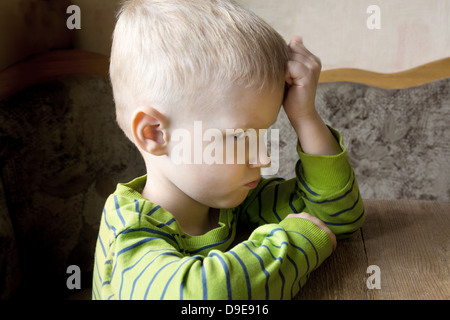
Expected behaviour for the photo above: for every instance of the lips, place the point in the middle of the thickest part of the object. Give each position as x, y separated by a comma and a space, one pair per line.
253, 184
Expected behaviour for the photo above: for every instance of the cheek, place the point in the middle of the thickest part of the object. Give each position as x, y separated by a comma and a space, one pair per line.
217, 186
216, 180
225, 186
225, 176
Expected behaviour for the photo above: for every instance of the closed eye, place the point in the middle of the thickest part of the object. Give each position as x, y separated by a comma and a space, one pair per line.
238, 135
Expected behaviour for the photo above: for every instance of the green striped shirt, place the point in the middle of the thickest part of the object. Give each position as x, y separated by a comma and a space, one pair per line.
142, 253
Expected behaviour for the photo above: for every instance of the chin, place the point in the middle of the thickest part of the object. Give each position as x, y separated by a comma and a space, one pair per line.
231, 201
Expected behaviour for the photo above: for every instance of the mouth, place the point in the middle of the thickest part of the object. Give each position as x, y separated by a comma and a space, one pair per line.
253, 184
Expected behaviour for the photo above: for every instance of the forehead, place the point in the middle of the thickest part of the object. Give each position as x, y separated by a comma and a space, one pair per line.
248, 108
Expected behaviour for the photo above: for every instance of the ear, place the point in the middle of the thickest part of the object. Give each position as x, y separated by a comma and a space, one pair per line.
148, 126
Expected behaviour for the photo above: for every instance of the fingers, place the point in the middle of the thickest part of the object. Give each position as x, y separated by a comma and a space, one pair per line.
298, 52
296, 38
299, 73
309, 60
302, 64
319, 223
309, 217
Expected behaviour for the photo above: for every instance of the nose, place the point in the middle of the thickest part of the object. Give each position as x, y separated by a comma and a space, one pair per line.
262, 161
260, 158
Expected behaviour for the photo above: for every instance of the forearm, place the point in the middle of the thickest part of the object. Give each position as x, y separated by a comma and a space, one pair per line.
269, 265
303, 71
314, 136
330, 189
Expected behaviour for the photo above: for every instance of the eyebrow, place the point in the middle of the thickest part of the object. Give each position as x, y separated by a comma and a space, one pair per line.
248, 127
250, 124
244, 129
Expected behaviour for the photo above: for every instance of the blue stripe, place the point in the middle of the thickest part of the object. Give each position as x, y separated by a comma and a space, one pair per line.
307, 187
345, 210
348, 233
279, 247
274, 208
200, 258
344, 224
148, 230
296, 274
101, 245
274, 230
148, 265
260, 211
97, 280
156, 274
181, 289
227, 273
310, 242
282, 283
204, 284
271, 235
153, 210
273, 257
214, 244
136, 206
168, 223
133, 246
173, 275
291, 198
116, 202
269, 182
261, 263
95, 294
247, 278
335, 199
279, 270
107, 224
131, 267
297, 170
304, 253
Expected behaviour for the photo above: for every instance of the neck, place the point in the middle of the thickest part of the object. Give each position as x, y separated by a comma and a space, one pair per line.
193, 217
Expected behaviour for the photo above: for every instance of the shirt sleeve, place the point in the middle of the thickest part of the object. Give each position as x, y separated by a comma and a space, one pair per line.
325, 186
272, 264
330, 191
145, 262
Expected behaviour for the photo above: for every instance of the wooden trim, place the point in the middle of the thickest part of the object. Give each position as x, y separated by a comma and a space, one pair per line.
51, 65
58, 63
423, 74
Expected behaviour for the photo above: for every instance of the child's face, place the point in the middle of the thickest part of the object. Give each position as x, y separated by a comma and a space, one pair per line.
195, 166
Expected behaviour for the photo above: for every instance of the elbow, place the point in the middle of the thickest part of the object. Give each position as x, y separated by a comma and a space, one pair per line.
347, 229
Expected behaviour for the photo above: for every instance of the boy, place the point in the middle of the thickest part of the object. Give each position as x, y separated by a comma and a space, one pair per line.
170, 234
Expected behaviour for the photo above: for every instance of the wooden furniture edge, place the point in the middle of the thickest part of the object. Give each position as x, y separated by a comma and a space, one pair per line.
56, 63
50, 65
429, 72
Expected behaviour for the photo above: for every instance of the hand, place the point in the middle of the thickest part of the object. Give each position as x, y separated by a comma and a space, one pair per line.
302, 76
317, 222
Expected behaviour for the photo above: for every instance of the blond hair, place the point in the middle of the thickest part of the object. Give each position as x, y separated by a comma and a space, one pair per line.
174, 52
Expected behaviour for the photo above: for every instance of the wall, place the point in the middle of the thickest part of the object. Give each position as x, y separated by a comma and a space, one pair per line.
30, 27
413, 32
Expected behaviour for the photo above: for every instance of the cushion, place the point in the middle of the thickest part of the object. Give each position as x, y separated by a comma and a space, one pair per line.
64, 155
398, 140
9, 255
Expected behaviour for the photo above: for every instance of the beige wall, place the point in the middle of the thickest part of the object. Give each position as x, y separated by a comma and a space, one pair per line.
413, 32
